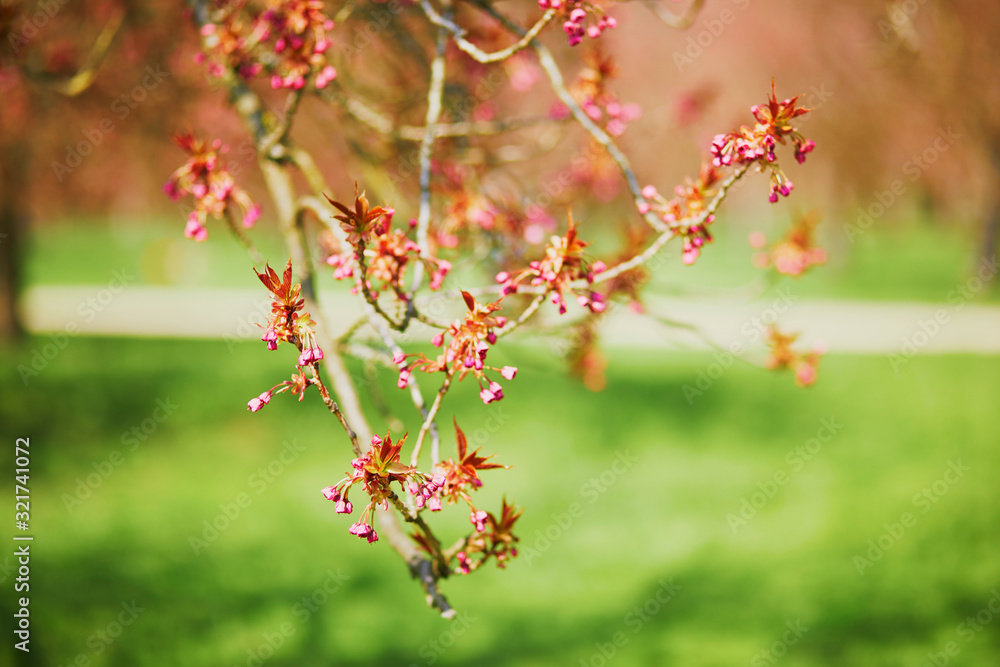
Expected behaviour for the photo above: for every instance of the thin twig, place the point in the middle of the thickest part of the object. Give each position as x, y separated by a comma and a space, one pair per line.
523, 317
477, 54
435, 96
241, 236
429, 419
554, 74
415, 394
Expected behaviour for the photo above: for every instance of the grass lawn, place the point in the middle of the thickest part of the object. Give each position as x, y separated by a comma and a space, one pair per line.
914, 261
647, 558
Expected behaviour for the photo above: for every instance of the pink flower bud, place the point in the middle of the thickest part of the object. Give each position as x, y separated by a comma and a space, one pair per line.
404, 379
256, 404
331, 493
434, 504
251, 216
398, 357
487, 396
508, 372
690, 254
438, 340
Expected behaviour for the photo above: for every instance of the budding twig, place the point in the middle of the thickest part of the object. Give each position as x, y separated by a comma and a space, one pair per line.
458, 33
554, 74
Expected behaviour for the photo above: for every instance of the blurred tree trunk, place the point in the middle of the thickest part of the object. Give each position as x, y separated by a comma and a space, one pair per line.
13, 184
991, 233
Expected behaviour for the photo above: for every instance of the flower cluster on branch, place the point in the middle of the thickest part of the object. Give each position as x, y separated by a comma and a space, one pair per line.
207, 179
484, 224
286, 38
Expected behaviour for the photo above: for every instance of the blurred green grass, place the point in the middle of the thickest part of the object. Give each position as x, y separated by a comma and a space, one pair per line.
662, 520
913, 260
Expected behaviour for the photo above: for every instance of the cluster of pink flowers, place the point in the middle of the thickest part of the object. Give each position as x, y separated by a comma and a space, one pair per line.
615, 116
564, 262
453, 480
747, 145
287, 322
804, 365
576, 12
289, 36
795, 253
374, 470
205, 177
387, 253
685, 213
471, 338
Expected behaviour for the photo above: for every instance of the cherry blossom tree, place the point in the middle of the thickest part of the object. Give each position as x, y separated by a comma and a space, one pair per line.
435, 201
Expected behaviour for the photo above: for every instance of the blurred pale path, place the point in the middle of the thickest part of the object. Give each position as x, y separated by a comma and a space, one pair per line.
840, 326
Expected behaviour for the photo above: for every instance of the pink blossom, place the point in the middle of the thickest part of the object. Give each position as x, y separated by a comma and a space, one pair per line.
256, 404
331, 493
251, 215
327, 75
